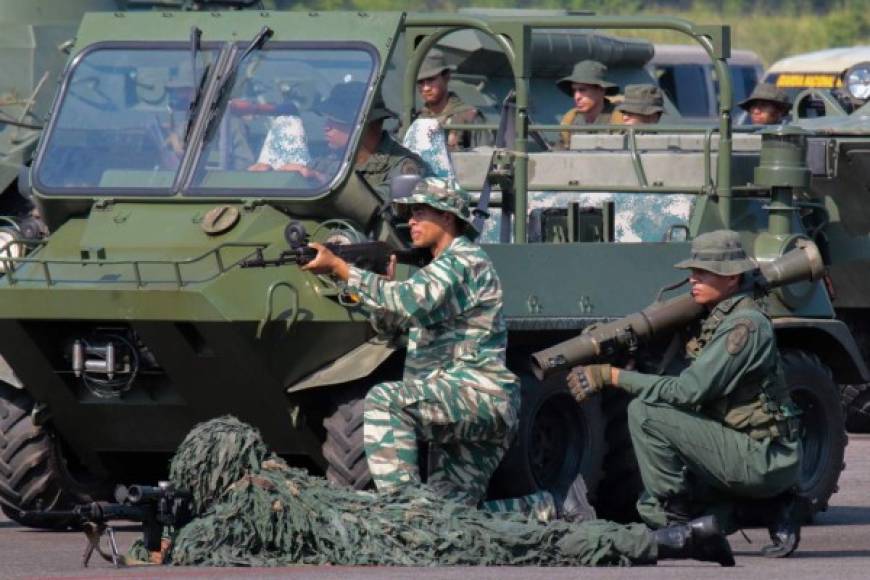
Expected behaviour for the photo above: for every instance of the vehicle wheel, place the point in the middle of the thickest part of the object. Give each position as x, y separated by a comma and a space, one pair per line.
343, 449
556, 439
856, 405
812, 388
34, 477
621, 475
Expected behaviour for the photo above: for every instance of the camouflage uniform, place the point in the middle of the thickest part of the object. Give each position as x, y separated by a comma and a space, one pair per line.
456, 392
725, 428
456, 111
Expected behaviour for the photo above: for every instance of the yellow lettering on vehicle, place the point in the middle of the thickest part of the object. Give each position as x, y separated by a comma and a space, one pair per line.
815, 81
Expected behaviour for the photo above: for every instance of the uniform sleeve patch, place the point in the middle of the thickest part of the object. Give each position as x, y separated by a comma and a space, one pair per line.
409, 167
739, 335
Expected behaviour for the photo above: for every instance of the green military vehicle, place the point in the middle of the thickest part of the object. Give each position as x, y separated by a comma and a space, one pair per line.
134, 319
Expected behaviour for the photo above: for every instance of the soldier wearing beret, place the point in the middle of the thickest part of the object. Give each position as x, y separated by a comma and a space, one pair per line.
725, 429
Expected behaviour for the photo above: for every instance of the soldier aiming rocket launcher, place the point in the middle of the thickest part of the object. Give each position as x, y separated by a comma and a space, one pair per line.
629, 333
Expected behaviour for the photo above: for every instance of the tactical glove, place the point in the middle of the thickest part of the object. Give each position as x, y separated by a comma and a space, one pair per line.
585, 381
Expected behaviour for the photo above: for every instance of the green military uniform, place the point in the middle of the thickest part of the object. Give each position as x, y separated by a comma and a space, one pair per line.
456, 111
587, 72
252, 509
456, 392
725, 428
389, 160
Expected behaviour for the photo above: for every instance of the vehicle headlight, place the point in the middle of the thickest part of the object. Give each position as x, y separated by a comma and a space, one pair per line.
857, 81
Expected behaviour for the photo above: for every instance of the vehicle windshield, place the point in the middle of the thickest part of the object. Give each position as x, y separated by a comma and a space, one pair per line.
286, 123
121, 120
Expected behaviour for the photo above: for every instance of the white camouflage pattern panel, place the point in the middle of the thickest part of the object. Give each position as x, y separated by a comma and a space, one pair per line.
639, 217
285, 143
452, 309
426, 138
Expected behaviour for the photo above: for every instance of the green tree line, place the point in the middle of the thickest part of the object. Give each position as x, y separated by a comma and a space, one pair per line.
772, 28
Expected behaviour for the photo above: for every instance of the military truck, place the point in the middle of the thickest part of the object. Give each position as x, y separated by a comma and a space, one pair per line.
134, 319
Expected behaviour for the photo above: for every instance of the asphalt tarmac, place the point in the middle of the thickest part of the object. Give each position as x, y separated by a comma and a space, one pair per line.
837, 547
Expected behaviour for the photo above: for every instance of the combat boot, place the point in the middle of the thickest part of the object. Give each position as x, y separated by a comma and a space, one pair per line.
785, 531
700, 539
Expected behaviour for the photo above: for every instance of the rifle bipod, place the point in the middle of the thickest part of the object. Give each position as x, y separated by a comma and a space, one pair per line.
94, 532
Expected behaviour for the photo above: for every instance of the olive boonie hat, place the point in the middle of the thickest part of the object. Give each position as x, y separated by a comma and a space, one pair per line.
719, 252
379, 110
642, 100
587, 72
766, 92
343, 102
440, 194
434, 64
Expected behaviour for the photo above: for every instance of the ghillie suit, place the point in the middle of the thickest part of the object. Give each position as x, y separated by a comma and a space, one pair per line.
256, 511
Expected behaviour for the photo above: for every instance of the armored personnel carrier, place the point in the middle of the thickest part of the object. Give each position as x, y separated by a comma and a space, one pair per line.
134, 319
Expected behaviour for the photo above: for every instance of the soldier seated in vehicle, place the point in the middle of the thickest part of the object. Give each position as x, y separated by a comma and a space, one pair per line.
642, 105
442, 104
379, 158
725, 429
767, 105
587, 86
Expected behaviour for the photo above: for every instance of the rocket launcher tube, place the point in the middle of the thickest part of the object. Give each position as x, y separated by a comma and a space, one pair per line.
637, 329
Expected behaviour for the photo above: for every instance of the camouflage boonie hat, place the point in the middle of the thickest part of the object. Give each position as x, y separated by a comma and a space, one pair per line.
442, 195
642, 100
766, 92
434, 64
719, 252
587, 72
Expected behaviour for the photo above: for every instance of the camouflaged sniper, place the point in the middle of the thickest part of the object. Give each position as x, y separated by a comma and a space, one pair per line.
254, 510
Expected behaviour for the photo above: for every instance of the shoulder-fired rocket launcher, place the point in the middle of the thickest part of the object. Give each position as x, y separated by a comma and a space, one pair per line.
627, 334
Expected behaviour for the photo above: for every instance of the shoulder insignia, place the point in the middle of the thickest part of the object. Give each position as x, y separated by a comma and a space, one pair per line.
738, 336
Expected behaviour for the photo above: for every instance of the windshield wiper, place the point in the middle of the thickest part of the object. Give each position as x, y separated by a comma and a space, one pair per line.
223, 88
198, 82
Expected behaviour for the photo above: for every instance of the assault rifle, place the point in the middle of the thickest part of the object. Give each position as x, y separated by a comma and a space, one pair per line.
155, 507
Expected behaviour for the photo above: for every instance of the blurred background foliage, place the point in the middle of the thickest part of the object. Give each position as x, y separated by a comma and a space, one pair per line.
772, 28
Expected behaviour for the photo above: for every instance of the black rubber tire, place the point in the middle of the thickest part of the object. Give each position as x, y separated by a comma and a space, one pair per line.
812, 388
33, 474
856, 406
621, 474
343, 449
556, 439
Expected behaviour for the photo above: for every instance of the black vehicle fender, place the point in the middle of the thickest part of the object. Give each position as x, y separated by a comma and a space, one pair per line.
830, 339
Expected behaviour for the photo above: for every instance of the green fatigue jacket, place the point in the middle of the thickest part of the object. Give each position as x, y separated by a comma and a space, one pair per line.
453, 310
388, 160
458, 112
575, 117
736, 377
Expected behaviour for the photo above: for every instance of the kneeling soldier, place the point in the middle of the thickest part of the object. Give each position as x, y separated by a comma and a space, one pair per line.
725, 430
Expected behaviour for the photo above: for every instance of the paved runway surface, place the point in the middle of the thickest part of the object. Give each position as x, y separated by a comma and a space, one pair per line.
837, 548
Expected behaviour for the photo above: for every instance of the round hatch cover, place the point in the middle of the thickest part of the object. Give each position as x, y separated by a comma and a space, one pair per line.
220, 220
